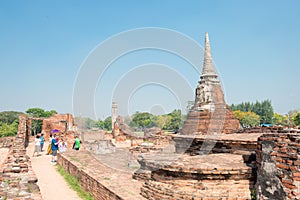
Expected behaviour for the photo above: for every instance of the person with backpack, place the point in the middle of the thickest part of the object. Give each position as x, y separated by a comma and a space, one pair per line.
54, 147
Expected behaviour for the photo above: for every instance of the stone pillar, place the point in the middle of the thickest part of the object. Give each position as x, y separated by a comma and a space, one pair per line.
114, 113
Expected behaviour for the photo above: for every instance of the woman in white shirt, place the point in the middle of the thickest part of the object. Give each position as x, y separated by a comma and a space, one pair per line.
62, 146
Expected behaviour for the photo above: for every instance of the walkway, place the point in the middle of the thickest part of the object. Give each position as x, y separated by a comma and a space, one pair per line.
51, 183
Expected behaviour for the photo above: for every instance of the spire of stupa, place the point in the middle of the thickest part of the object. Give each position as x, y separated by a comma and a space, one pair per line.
208, 66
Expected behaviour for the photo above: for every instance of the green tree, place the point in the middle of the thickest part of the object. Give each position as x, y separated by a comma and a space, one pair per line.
290, 115
267, 112
176, 120
296, 119
9, 117
107, 123
247, 118
142, 120
163, 121
100, 124
279, 119
8, 129
264, 109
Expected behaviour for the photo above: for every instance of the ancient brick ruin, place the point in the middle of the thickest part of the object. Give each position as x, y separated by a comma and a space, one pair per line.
18, 180
209, 114
210, 159
233, 166
278, 162
61, 122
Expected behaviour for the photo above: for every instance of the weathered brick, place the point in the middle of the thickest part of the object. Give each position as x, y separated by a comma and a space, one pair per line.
297, 174
282, 166
290, 186
297, 162
293, 168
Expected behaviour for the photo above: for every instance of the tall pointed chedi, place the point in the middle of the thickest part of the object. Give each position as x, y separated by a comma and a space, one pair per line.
208, 66
209, 114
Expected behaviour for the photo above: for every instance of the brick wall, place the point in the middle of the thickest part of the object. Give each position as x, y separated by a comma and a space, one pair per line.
104, 182
87, 181
213, 176
244, 145
278, 162
18, 181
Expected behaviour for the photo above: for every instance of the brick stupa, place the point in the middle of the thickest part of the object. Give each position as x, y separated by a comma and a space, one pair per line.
209, 114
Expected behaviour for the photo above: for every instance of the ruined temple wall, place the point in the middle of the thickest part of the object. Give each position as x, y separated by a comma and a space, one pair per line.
61, 122
18, 181
278, 162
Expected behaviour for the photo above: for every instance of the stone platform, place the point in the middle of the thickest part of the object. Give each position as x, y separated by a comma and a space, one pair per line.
197, 177
241, 144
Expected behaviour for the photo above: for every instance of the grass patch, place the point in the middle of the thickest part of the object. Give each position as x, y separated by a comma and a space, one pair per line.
74, 184
74, 158
77, 160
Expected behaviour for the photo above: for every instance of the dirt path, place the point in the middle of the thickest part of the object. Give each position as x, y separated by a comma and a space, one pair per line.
51, 183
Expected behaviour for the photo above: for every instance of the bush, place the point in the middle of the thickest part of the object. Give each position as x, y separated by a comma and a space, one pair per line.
8, 129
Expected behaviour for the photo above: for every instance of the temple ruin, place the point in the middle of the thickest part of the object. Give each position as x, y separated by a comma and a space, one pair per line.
210, 158
210, 114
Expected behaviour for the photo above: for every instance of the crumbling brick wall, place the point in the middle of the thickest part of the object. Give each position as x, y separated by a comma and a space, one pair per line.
18, 180
61, 122
278, 162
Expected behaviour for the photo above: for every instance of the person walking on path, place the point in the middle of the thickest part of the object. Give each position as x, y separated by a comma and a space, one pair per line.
37, 145
49, 149
76, 144
54, 147
42, 141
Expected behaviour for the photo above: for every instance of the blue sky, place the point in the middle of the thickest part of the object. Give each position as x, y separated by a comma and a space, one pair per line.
43, 44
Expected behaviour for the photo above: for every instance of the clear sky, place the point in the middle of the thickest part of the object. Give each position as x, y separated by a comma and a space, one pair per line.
43, 44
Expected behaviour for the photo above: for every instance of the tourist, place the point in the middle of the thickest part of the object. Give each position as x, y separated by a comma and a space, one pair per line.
62, 146
49, 150
54, 147
37, 145
42, 141
76, 144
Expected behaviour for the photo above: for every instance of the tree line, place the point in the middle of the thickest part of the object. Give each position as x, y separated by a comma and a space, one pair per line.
249, 114
170, 121
138, 121
253, 114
